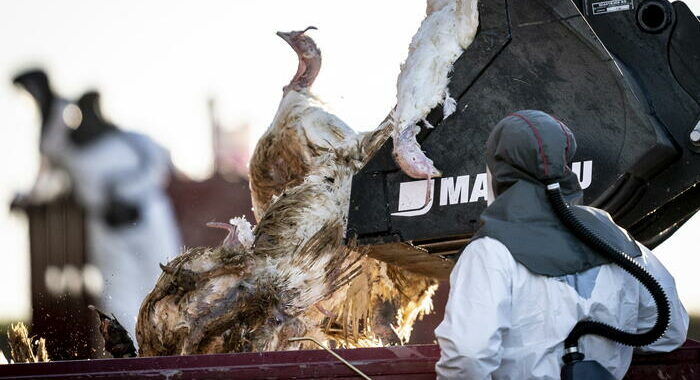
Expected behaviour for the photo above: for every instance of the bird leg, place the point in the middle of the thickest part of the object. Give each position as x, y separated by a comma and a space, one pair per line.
231, 241
428, 192
324, 311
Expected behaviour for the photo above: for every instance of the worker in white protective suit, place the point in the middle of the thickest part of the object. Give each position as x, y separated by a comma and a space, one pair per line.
524, 280
119, 178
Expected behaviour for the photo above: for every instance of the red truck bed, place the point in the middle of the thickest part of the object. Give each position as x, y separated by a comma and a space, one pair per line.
404, 363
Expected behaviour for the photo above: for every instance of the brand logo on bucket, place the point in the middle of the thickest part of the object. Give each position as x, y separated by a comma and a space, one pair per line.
417, 197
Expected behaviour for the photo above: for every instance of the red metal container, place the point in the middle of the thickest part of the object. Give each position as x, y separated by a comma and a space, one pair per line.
404, 363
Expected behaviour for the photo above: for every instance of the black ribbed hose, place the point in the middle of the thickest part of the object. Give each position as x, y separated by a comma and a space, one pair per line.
593, 240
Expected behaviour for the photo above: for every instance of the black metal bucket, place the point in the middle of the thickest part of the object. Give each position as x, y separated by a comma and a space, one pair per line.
632, 116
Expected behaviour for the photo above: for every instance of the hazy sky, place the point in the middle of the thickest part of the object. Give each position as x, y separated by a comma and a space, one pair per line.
156, 63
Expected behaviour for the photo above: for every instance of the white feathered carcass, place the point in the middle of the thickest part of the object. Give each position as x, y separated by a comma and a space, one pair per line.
448, 28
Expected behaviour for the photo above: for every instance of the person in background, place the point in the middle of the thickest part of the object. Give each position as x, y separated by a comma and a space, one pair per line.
119, 178
524, 280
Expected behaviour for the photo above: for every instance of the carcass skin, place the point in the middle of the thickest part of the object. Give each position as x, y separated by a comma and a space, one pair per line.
448, 29
298, 277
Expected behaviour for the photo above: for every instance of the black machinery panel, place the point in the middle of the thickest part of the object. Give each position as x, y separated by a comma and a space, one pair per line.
635, 155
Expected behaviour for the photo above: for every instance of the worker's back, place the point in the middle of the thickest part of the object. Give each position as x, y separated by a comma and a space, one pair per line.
527, 277
513, 324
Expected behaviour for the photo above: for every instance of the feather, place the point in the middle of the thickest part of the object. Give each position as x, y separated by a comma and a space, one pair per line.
449, 106
244, 231
22, 349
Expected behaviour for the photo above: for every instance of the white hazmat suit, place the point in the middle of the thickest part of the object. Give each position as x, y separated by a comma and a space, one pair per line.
525, 280
127, 256
504, 322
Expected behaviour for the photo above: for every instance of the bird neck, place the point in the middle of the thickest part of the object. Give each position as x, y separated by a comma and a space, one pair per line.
307, 71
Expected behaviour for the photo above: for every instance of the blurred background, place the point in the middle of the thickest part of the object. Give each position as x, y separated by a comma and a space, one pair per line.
203, 79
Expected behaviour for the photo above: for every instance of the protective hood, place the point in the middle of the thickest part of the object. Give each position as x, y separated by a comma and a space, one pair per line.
524, 152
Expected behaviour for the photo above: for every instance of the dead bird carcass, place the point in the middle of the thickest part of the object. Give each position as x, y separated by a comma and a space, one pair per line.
295, 276
290, 276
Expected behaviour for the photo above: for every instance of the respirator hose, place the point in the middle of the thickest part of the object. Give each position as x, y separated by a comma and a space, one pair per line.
593, 240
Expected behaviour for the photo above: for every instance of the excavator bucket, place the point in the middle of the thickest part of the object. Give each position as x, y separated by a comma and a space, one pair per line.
624, 75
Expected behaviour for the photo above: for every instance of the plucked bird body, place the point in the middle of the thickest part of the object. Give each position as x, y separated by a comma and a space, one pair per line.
448, 28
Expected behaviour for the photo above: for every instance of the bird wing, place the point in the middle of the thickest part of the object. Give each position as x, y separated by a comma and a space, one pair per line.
323, 130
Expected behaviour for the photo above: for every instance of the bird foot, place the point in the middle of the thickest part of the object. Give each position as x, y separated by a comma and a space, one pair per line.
409, 156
